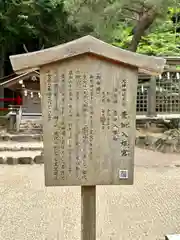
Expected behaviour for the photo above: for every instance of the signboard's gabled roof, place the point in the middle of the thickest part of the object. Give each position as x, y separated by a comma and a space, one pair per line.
87, 44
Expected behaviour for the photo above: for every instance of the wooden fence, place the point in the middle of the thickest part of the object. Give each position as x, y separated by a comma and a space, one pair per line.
159, 95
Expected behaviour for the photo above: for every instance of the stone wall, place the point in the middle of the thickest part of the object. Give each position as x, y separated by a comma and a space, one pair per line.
22, 160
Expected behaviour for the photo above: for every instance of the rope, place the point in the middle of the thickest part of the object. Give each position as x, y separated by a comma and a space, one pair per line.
28, 90
7, 76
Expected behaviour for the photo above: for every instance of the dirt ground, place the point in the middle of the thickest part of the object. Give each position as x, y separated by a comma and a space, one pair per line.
147, 210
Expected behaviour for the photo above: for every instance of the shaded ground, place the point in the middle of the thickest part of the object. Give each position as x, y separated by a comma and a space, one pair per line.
147, 210
166, 142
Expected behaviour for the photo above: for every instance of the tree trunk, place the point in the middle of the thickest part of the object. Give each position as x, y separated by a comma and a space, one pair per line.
2, 60
142, 25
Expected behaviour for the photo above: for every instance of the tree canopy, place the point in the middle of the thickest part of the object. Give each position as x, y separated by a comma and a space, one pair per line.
32, 23
110, 19
162, 39
147, 26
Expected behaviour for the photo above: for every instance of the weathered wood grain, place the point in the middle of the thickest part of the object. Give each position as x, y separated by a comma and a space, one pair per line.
101, 165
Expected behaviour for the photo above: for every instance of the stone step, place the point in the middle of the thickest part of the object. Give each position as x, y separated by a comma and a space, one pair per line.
21, 137
31, 126
21, 157
30, 131
20, 146
31, 123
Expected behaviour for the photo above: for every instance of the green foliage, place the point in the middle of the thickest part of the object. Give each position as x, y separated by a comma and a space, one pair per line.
107, 15
50, 21
14, 20
116, 21
122, 36
22, 20
159, 44
33, 23
162, 39
168, 32
3, 113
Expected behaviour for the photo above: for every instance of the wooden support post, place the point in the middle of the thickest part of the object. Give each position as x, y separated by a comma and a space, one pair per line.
11, 123
88, 213
1, 96
152, 97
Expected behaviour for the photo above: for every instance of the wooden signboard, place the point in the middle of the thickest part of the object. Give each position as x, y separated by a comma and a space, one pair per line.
89, 122
88, 91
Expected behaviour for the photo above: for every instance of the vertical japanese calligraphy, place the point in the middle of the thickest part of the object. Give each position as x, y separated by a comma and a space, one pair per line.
108, 118
62, 87
56, 96
91, 81
125, 122
123, 92
56, 91
56, 153
49, 95
62, 126
58, 129
56, 132
85, 131
70, 122
69, 143
125, 148
78, 82
89, 124
98, 83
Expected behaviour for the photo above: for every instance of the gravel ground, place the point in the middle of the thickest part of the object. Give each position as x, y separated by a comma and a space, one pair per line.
147, 210
18, 154
18, 145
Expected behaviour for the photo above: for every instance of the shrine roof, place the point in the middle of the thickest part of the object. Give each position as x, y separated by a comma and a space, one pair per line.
14, 80
88, 44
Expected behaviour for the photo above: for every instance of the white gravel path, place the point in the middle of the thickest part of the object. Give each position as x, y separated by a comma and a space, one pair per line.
17, 154
11, 144
147, 210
